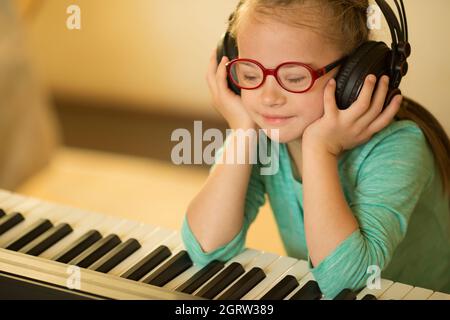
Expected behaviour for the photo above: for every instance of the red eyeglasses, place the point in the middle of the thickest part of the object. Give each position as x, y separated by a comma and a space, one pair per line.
295, 77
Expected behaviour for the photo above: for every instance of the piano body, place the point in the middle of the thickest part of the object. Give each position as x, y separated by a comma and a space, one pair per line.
51, 251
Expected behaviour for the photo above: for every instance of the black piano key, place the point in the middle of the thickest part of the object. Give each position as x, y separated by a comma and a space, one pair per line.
281, 289
9, 221
77, 247
31, 233
2, 213
310, 291
346, 294
369, 297
221, 281
243, 285
147, 264
96, 251
47, 239
201, 277
116, 256
169, 270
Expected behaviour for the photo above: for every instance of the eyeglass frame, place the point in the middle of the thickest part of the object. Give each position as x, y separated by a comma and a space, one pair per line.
315, 74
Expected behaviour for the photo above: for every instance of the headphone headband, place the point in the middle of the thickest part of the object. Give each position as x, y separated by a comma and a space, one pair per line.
399, 31
395, 28
401, 49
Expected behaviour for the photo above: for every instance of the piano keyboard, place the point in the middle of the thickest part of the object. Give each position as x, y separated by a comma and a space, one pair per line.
44, 247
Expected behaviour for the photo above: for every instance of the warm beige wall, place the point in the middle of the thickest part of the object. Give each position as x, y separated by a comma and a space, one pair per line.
124, 49
153, 52
429, 80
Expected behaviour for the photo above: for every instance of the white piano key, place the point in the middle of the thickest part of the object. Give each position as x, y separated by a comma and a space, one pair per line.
377, 293
150, 243
439, 296
68, 215
300, 271
132, 229
8, 203
80, 219
158, 237
261, 261
175, 245
135, 230
149, 237
182, 278
418, 293
80, 227
142, 232
274, 274
124, 229
108, 225
244, 258
41, 211
4, 194
396, 292
24, 206
304, 280
172, 285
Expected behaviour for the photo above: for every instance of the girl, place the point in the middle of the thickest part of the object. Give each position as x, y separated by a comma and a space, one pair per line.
356, 188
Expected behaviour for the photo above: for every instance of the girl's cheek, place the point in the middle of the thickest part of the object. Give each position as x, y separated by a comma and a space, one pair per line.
250, 104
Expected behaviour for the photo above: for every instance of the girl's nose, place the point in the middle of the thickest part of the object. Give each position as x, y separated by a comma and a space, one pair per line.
272, 93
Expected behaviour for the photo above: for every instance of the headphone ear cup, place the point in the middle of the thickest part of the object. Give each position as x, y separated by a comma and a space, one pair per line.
227, 47
370, 58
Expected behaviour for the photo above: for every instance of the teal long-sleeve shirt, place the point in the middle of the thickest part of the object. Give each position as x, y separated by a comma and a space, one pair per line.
393, 187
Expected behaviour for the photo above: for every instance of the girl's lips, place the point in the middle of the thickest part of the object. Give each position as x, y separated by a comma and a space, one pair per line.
276, 120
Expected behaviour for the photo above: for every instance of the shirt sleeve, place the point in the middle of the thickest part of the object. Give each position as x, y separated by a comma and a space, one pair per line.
255, 198
390, 181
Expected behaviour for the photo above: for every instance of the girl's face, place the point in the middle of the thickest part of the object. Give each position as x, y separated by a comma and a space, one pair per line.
272, 43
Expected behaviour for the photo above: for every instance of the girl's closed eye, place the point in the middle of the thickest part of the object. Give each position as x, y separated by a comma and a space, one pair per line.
251, 78
295, 80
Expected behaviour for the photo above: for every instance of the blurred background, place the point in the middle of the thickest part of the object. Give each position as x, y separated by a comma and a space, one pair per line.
86, 115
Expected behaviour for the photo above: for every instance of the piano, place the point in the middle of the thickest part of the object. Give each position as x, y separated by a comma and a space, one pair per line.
52, 251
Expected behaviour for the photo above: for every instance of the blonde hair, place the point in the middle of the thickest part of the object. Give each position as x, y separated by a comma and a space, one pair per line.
343, 23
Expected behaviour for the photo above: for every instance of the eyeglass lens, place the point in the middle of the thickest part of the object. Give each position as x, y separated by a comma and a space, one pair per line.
249, 75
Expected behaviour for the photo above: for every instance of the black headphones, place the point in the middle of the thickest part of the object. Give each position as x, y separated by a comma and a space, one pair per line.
371, 57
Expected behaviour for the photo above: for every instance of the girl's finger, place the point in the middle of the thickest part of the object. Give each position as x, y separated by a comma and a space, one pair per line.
221, 76
360, 106
386, 116
221, 70
329, 98
211, 73
212, 67
377, 103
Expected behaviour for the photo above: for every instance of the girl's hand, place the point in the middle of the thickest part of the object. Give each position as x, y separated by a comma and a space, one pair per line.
340, 130
225, 101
